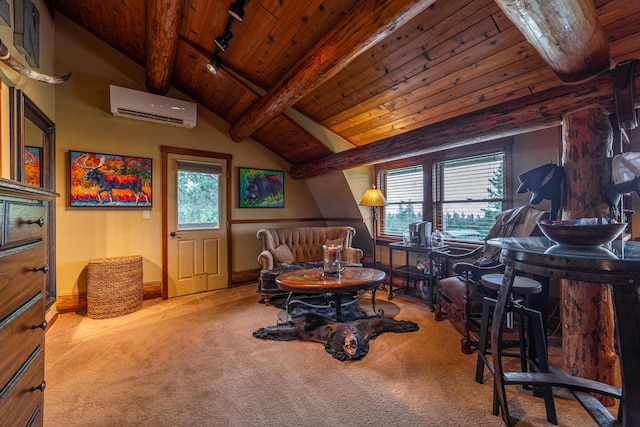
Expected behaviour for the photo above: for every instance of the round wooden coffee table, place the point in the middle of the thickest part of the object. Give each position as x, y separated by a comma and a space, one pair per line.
350, 279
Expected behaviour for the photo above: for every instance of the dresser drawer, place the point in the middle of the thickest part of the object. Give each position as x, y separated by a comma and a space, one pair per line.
18, 282
25, 222
20, 400
20, 336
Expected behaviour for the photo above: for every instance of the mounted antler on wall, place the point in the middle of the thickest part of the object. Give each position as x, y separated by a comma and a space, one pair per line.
5, 56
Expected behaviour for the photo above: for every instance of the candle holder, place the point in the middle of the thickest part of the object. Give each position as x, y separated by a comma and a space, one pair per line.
331, 258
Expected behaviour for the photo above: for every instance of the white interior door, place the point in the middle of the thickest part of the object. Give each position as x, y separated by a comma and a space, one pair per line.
196, 223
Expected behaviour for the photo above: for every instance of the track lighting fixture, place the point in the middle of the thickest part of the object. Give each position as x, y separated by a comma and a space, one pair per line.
236, 9
214, 65
223, 40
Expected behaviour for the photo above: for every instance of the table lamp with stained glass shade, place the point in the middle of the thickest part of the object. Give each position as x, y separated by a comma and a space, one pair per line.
374, 198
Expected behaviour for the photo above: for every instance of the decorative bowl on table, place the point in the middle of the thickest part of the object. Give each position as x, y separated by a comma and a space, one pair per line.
577, 234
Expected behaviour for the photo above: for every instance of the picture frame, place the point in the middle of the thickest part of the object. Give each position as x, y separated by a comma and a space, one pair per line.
98, 180
260, 188
32, 162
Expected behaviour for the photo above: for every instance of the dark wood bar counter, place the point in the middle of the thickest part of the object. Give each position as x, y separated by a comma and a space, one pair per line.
618, 267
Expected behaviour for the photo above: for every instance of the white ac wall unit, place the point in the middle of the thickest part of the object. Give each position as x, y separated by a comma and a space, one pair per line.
139, 105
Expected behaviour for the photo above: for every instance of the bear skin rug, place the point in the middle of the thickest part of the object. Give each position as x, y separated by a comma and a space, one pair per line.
347, 340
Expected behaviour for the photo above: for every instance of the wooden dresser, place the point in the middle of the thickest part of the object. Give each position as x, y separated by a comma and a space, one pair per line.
24, 255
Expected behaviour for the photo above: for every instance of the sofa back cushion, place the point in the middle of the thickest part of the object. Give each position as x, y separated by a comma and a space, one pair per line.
306, 243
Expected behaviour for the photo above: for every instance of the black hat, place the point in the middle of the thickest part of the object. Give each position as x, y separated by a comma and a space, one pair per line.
544, 182
534, 179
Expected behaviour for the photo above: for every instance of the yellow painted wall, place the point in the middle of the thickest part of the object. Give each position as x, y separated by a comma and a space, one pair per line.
83, 122
43, 94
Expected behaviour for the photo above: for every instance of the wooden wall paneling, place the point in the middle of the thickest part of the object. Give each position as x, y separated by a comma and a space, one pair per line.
428, 96
241, 104
449, 72
283, 135
122, 24
234, 92
440, 67
202, 22
277, 28
395, 53
249, 38
623, 27
367, 67
420, 66
210, 86
444, 105
502, 21
626, 48
320, 22
469, 39
616, 10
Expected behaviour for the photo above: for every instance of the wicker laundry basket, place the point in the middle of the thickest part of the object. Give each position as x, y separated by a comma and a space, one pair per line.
114, 286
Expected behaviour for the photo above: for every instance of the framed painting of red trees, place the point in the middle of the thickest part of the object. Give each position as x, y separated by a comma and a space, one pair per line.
109, 181
32, 159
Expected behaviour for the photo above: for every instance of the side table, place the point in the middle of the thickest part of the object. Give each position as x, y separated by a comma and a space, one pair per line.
410, 272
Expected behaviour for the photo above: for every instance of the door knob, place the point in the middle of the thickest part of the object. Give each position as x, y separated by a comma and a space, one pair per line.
174, 235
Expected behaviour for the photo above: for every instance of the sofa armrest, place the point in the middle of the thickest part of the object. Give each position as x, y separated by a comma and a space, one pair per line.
352, 255
265, 259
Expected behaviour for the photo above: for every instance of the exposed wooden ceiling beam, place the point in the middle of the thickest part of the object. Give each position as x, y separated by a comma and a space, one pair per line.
162, 33
539, 111
365, 25
566, 33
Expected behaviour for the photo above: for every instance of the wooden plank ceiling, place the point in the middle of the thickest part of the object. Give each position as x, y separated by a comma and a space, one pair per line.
395, 65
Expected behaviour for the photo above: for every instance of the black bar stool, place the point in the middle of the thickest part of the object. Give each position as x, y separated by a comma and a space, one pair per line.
522, 286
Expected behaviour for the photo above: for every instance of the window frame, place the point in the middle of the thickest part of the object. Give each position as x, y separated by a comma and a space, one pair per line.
429, 208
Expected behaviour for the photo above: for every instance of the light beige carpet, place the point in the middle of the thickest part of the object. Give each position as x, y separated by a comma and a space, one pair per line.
192, 361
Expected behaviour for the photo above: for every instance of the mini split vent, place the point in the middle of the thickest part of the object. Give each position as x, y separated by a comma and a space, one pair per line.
152, 108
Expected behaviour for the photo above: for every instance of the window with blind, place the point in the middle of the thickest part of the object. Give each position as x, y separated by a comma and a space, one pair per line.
462, 198
403, 189
468, 195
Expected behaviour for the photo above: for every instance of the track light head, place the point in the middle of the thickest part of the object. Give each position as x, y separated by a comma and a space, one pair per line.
222, 41
214, 65
236, 9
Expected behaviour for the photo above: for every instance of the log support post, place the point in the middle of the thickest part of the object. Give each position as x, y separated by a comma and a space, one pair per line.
586, 308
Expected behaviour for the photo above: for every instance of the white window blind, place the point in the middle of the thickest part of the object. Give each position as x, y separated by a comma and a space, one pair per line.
468, 195
403, 189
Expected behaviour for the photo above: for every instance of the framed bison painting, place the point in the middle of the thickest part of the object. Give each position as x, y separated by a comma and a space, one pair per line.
260, 188
109, 181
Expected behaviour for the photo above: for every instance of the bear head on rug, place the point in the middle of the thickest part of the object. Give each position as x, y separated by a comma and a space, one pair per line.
348, 340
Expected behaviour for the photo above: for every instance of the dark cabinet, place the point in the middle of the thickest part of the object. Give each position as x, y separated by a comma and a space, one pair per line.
24, 255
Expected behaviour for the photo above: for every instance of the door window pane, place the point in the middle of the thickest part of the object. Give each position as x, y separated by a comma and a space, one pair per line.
198, 197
